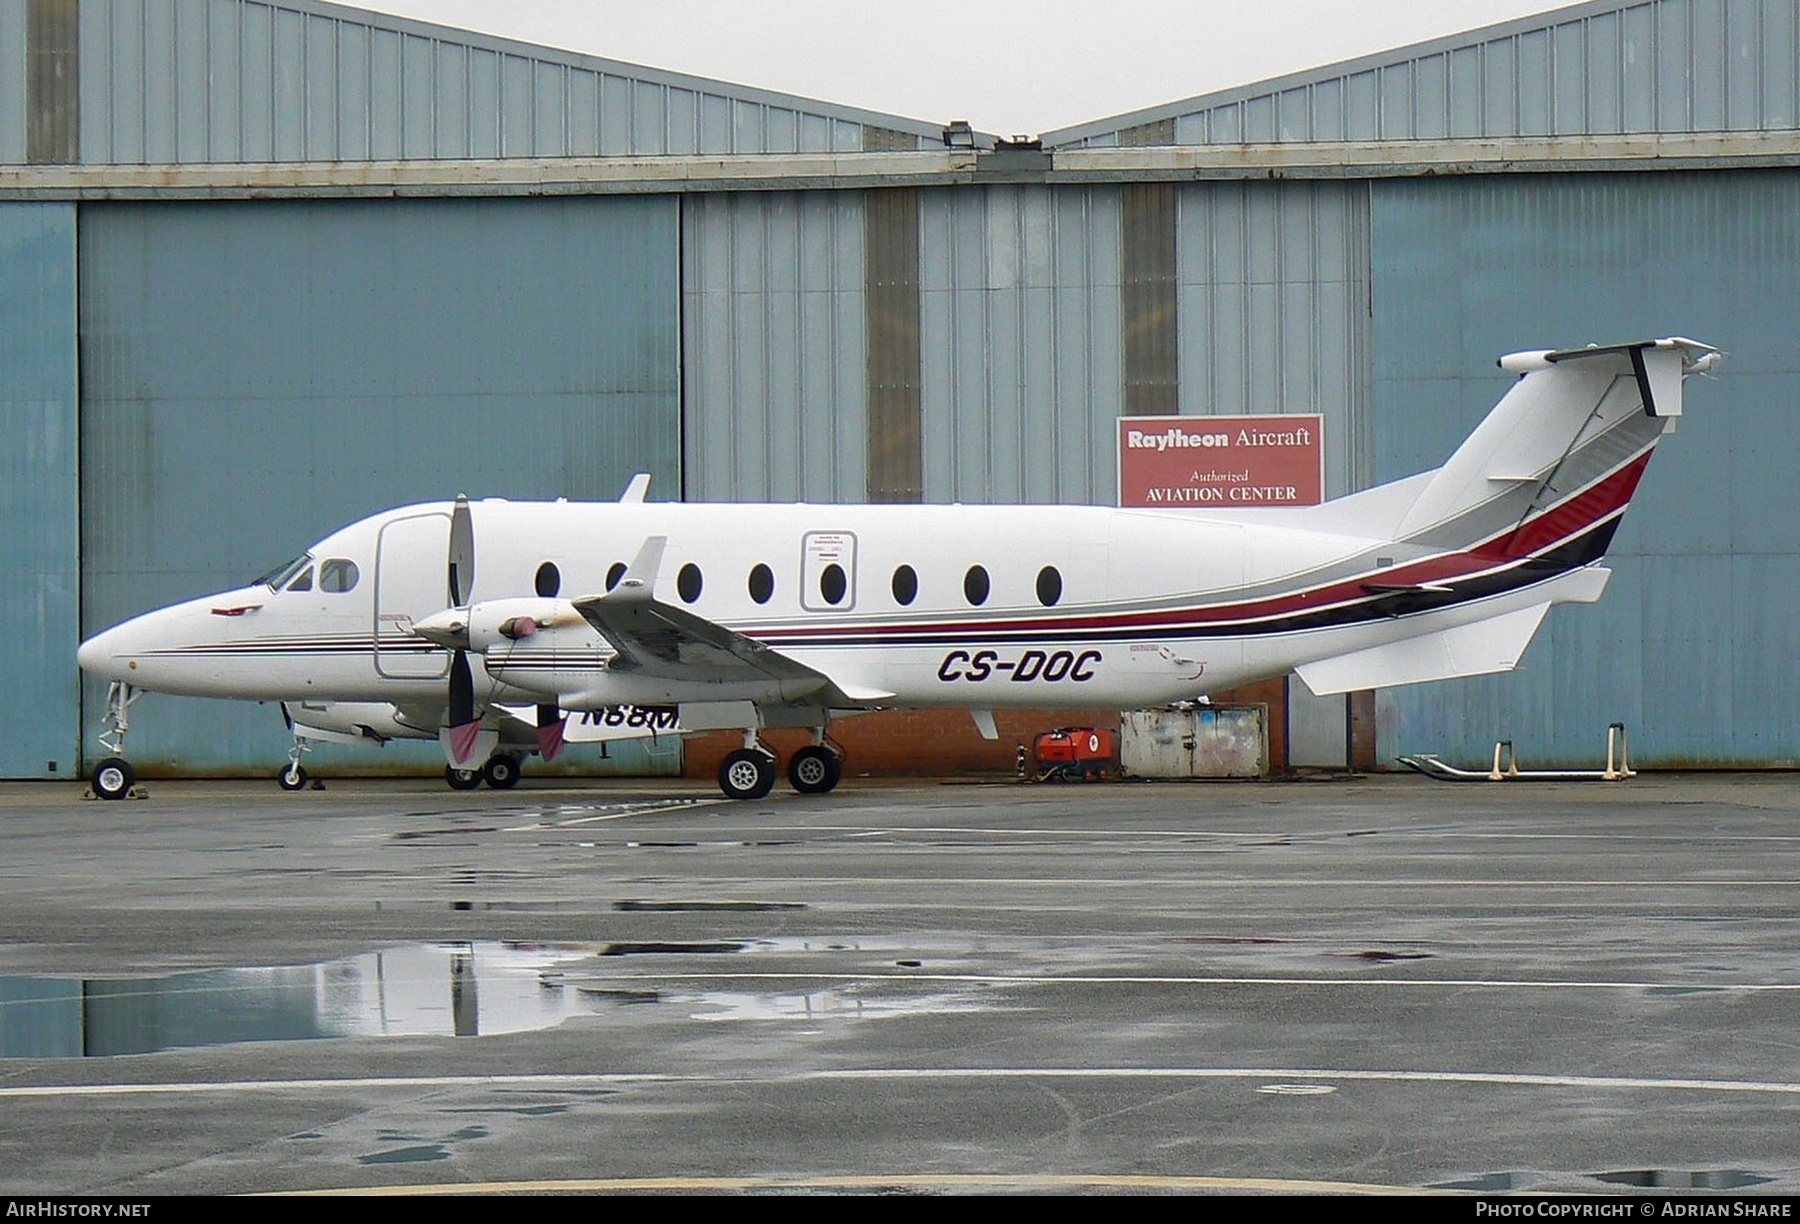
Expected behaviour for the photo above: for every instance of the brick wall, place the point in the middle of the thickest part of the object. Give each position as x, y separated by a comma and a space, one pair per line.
909, 742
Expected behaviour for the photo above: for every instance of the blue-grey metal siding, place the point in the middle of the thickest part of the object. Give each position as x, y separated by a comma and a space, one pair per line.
257, 374
1693, 644
777, 387
39, 549
167, 81
12, 84
1020, 340
1607, 68
1274, 308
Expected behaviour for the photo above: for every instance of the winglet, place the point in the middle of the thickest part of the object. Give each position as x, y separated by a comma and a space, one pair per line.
637, 490
640, 576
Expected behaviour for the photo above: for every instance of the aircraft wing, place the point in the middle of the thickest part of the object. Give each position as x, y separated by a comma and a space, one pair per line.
658, 639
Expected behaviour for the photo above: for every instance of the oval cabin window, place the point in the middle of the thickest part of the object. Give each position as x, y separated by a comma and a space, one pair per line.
906, 585
762, 584
548, 581
976, 585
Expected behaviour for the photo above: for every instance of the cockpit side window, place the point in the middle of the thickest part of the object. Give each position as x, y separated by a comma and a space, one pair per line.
302, 583
338, 575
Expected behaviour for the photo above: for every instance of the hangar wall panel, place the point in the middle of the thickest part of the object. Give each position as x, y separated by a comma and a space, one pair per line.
1693, 643
1024, 337
243, 81
1274, 309
1020, 341
891, 312
775, 352
39, 550
1596, 69
257, 374
13, 108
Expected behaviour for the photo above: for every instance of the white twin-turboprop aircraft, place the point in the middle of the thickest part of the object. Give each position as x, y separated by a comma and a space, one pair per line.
687, 618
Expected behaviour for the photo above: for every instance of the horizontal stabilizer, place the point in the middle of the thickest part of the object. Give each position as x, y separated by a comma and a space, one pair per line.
1491, 645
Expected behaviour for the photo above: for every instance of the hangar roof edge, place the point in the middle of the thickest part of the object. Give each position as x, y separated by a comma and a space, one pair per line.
642, 72
1550, 19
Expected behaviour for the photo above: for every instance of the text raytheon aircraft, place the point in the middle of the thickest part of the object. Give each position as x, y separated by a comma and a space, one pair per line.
448, 621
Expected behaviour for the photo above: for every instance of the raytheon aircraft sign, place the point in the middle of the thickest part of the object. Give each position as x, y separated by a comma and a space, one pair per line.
1187, 462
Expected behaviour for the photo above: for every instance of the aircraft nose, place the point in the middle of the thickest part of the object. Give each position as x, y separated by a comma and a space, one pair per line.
99, 655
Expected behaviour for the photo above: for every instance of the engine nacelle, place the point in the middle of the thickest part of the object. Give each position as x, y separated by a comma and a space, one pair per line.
498, 623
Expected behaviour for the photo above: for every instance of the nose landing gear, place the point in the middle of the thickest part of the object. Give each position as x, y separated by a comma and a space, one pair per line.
293, 775
113, 778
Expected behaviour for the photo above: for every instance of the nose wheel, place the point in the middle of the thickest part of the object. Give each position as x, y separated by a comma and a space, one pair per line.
113, 778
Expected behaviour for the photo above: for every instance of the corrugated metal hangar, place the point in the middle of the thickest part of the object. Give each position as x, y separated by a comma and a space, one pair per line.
267, 266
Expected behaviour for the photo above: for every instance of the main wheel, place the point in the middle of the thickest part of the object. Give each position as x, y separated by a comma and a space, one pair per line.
292, 776
462, 779
814, 770
501, 771
113, 778
747, 774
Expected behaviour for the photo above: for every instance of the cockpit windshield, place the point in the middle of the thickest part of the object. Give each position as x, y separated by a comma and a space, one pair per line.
276, 578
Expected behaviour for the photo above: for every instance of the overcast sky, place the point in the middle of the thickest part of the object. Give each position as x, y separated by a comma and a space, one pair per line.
1010, 67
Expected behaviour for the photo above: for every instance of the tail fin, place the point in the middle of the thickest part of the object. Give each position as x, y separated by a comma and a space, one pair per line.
1561, 454
1514, 521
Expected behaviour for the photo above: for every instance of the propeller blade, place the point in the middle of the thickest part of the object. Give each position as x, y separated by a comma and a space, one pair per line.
464, 723
550, 732
462, 553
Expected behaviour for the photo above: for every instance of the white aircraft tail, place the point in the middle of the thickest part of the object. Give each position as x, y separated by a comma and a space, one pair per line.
1514, 521
1577, 427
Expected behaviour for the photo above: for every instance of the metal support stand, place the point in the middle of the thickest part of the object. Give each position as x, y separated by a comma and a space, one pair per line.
1616, 734
1506, 765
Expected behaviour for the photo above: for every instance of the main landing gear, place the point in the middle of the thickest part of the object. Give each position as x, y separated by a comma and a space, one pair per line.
501, 773
749, 773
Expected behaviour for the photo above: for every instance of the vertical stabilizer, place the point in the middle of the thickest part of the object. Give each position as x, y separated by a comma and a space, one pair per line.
1576, 419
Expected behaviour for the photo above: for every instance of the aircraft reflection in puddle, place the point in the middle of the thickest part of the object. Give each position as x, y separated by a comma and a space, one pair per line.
427, 990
